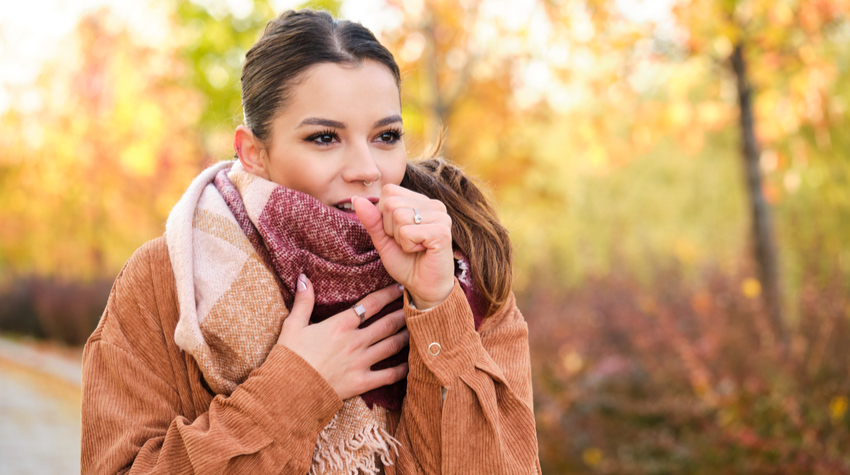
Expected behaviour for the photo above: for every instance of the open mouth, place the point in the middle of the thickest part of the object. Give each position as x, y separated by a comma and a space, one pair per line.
346, 207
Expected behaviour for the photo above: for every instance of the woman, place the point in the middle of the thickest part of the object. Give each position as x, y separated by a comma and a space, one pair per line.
416, 360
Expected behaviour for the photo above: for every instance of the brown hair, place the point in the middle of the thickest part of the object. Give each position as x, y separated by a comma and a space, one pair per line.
291, 44
295, 41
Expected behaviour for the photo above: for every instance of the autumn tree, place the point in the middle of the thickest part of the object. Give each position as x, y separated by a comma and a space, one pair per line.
777, 53
91, 173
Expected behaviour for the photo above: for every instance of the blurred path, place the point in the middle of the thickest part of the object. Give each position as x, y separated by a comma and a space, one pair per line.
39, 409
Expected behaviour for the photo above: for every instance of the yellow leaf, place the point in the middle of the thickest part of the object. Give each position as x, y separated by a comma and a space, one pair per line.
572, 362
592, 456
751, 287
138, 158
680, 113
838, 407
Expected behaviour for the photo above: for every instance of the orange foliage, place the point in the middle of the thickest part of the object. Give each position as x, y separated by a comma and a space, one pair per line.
114, 147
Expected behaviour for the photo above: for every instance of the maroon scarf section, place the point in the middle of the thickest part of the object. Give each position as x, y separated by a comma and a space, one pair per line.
296, 233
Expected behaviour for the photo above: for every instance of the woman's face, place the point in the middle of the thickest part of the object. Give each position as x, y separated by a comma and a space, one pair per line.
341, 127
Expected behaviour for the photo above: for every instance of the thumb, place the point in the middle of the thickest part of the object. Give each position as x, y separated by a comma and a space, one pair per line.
371, 219
302, 308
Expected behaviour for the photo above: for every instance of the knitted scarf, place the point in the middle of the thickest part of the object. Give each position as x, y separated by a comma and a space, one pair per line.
237, 243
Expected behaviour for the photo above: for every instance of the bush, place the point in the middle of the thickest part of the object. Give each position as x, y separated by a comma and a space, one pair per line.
688, 380
45, 308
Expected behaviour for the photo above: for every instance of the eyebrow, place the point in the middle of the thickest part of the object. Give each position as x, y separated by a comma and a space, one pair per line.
387, 121
341, 125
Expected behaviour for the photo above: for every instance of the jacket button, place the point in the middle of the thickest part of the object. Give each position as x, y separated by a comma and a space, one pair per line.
434, 349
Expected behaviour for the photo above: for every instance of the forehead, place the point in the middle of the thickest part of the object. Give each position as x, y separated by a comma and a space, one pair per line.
347, 92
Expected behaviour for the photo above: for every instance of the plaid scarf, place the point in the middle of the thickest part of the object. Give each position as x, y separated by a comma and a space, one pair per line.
237, 243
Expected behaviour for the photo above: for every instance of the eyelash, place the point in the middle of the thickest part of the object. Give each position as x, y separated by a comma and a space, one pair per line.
313, 138
395, 135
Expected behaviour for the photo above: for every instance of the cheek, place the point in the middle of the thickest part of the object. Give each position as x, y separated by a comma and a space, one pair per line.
311, 177
394, 171
300, 173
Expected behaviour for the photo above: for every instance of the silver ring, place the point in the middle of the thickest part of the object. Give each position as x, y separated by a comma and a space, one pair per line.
416, 218
360, 311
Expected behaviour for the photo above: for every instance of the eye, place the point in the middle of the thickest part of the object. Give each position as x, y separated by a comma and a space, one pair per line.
325, 137
390, 136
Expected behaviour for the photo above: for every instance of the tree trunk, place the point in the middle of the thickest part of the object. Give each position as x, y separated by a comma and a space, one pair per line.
764, 247
434, 109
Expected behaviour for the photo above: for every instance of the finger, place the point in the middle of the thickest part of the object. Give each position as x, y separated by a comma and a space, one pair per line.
384, 377
397, 210
386, 326
397, 190
372, 303
435, 236
372, 220
407, 217
302, 308
388, 206
387, 347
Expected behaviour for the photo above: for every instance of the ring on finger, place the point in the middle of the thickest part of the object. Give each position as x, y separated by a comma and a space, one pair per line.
416, 218
360, 311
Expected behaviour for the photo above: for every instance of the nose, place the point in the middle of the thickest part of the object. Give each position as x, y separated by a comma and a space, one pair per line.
360, 164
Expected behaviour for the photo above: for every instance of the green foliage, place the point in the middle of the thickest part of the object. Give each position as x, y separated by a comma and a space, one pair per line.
214, 51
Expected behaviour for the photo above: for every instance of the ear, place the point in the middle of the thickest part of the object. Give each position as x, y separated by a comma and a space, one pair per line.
251, 152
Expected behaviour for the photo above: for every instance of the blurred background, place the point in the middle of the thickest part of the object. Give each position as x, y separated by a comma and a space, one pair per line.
675, 176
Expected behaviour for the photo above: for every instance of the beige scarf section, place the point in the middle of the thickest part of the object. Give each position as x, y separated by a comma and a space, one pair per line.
222, 284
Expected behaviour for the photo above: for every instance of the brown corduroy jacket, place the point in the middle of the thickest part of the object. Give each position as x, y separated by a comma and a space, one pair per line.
146, 409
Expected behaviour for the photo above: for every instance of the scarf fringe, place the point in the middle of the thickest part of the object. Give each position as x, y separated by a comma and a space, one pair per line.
376, 441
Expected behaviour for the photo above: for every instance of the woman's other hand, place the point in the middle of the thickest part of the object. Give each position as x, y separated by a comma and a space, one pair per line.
417, 255
339, 351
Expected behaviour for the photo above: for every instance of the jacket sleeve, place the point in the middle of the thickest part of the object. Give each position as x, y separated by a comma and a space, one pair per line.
469, 403
134, 415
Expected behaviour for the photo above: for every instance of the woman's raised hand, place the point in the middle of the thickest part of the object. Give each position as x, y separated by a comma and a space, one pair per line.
339, 351
419, 255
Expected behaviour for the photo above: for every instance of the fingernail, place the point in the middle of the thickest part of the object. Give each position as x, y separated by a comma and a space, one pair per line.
302, 282
400, 288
